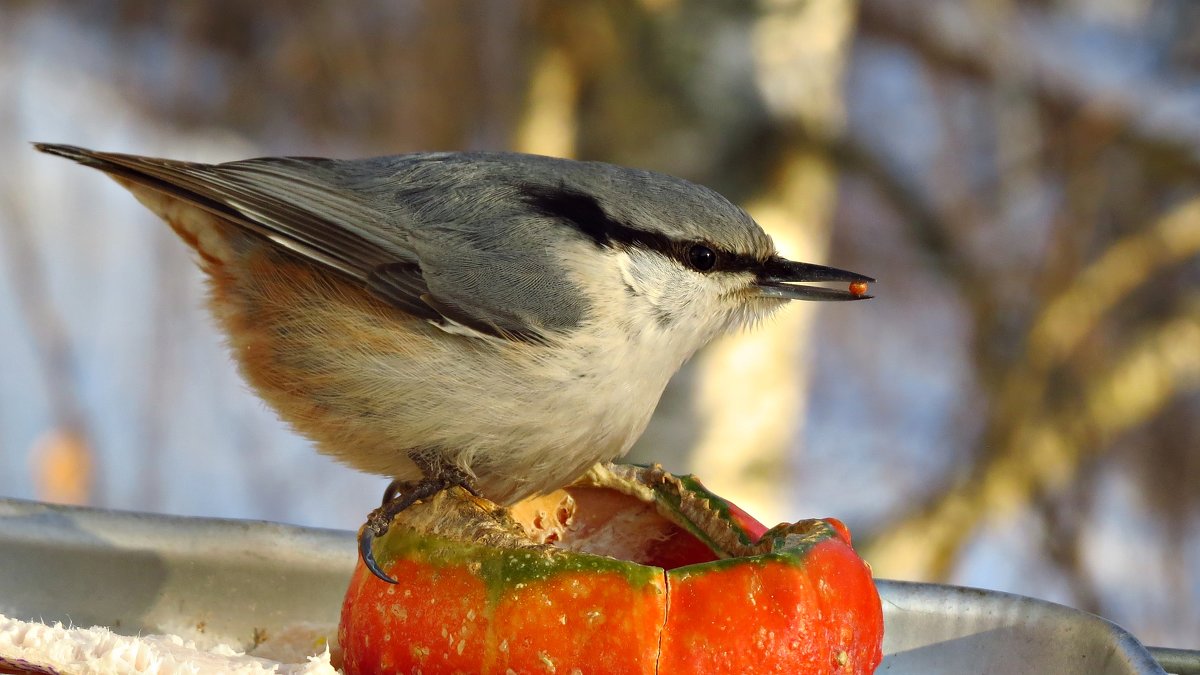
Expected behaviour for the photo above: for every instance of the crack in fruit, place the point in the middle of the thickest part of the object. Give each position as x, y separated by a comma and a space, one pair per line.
662, 629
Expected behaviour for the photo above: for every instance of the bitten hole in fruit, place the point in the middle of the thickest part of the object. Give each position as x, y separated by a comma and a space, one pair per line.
606, 522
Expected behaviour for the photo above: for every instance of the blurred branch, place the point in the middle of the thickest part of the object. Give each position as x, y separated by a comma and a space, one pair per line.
1074, 313
926, 225
1032, 442
1065, 521
50, 336
66, 451
1161, 365
930, 34
934, 237
1030, 448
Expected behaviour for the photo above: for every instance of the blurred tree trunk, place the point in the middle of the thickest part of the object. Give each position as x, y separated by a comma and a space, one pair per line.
643, 84
754, 387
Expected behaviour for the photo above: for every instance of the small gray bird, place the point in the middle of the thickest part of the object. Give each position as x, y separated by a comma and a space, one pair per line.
496, 321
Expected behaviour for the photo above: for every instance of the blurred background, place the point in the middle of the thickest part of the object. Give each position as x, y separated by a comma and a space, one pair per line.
1018, 409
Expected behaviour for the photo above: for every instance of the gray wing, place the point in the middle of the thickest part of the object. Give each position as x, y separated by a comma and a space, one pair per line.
302, 205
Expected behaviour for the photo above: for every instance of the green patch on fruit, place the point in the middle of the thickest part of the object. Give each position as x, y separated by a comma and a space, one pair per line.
786, 548
528, 567
693, 486
503, 569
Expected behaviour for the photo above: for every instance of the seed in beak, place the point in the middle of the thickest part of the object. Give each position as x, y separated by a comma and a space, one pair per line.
859, 287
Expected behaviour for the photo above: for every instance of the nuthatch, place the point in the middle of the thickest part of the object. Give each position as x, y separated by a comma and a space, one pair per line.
496, 321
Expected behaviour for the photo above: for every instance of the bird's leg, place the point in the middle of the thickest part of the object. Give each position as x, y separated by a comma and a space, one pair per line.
399, 495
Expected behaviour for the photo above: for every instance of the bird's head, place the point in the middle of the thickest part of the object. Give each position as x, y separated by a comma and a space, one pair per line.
688, 261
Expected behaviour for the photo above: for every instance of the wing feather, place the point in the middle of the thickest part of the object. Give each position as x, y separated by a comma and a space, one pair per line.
296, 204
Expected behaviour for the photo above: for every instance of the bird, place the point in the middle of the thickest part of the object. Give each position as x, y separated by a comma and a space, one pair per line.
492, 320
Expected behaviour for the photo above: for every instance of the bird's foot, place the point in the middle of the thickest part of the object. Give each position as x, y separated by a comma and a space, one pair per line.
398, 496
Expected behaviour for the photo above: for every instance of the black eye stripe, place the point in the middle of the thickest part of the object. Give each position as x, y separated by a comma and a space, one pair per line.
585, 214
737, 262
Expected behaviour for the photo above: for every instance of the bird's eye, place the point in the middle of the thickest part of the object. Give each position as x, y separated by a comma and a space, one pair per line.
701, 257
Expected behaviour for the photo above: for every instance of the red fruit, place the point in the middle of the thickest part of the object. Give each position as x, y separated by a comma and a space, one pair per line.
631, 570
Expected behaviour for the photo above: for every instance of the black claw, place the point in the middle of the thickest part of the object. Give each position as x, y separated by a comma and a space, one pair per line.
365, 538
400, 495
397, 497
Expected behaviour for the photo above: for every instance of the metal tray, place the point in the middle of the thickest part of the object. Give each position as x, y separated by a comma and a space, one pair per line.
236, 581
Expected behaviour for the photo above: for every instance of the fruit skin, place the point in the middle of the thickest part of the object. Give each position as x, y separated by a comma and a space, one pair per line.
467, 608
477, 596
809, 606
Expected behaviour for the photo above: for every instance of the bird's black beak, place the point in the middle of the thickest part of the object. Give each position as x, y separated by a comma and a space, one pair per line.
781, 278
